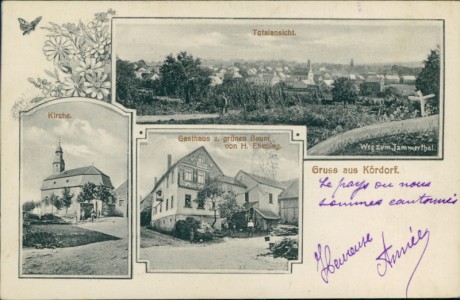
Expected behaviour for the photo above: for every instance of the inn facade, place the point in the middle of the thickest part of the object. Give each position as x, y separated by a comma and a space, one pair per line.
173, 197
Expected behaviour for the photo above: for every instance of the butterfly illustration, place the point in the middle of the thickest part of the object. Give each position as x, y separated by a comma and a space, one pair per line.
28, 27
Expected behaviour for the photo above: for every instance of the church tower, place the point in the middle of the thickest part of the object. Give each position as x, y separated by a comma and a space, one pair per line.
58, 163
310, 72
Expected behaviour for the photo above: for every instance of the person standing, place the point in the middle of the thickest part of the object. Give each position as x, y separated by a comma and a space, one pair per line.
250, 228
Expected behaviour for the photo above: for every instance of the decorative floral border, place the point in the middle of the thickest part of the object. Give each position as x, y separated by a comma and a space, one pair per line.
81, 56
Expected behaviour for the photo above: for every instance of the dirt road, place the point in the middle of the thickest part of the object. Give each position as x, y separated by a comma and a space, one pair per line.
241, 254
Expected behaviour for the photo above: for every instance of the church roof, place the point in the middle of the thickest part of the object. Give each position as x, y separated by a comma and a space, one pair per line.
79, 178
89, 170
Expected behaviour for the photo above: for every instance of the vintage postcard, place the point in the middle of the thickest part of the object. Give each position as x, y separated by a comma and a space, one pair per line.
229, 149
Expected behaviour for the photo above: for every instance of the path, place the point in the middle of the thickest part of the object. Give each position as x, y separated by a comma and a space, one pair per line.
228, 255
109, 258
374, 131
176, 117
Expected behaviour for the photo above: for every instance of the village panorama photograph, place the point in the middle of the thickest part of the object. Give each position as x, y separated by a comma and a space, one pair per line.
219, 202
74, 191
361, 87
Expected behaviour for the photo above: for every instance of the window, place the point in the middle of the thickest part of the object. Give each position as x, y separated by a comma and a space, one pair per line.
161, 206
172, 201
167, 204
200, 205
270, 198
188, 174
246, 197
188, 201
201, 177
120, 203
172, 177
201, 159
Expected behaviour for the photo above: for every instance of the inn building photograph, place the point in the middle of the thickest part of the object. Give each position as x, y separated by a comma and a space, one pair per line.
74, 190
204, 195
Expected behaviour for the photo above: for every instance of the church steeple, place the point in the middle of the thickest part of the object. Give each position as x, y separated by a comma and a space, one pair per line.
58, 163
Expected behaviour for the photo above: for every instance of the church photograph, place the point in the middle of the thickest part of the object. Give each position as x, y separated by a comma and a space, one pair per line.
223, 196
75, 200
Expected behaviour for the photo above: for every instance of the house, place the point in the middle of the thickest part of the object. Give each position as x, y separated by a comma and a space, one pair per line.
289, 202
392, 79
174, 195
121, 199
74, 180
409, 79
327, 84
265, 79
261, 198
373, 84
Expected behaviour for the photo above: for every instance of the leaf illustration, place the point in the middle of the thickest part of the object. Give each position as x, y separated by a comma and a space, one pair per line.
51, 74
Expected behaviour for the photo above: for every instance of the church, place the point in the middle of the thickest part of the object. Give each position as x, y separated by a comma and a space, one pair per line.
74, 179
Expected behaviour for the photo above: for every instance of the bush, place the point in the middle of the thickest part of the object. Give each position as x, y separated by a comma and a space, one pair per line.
31, 216
287, 248
182, 229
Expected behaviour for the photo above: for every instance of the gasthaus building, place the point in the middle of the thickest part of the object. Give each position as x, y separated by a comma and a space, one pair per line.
173, 195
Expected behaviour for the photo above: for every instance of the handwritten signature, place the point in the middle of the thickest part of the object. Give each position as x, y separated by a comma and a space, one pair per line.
328, 265
387, 259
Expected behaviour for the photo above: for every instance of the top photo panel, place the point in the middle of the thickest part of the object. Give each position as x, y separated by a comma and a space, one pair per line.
365, 89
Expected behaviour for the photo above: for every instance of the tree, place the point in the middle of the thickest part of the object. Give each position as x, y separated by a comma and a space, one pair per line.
344, 90
183, 76
211, 193
46, 201
28, 206
228, 206
428, 80
265, 162
104, 194
66, 198
55, 201
88, 192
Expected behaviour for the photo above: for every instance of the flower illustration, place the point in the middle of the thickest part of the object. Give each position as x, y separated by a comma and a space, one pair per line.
89, 66
101, 17
97, 86
74, 86
57, 49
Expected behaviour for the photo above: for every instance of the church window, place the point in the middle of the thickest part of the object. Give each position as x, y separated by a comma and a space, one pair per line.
188, 174
201, 177
188, 201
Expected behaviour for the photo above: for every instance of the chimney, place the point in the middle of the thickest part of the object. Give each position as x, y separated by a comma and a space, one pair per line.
156, 180
169, 161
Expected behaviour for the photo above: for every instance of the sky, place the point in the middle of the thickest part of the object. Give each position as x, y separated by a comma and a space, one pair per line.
154, 150
94, 134
331, 41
